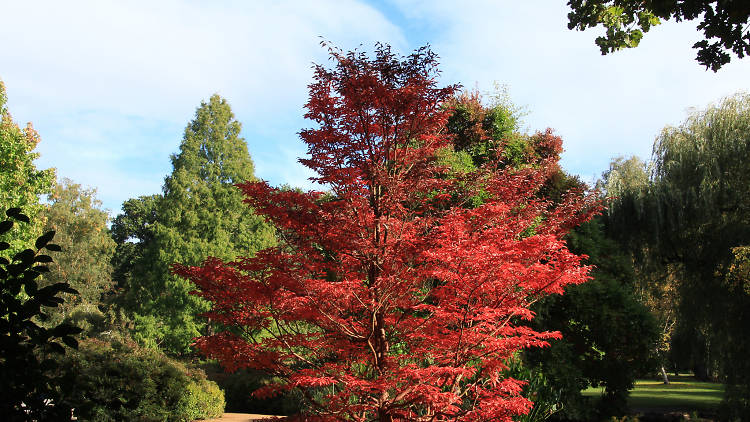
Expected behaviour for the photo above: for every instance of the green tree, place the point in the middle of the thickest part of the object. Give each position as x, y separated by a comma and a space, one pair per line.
689, 222
133, 231
724, 24
608, 335
629, 219
702, 190
200, 214
81, 226
736, 405
487, 130
21, 184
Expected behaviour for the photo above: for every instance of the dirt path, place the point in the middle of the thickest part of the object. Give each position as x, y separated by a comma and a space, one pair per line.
240, 417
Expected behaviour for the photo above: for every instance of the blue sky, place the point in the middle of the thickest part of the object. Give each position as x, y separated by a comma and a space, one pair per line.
111, 85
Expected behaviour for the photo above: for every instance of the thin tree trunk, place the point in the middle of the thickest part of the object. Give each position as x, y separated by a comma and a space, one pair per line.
664, 375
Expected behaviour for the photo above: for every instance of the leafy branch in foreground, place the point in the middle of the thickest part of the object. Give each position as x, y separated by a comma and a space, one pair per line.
725, 24
29, 388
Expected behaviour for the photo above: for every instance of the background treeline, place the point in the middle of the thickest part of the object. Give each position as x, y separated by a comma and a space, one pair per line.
669, 288
684, 218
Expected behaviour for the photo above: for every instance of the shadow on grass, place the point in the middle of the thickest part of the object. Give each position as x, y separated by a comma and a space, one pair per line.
684, 393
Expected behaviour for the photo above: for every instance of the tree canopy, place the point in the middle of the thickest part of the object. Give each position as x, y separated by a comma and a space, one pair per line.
724, 24
21, 183
386, 302
81, 230
199, 214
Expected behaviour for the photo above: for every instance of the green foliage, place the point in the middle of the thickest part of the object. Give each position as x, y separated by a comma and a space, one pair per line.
204, 400
630, 217
87, 247
608, 336
724, 24
702, 200
625, 176
116, 380
547, 397
486, 132
28, 381
625, 23
133, 231
700, 173
200, 214
685, 228
21, 184
736, 404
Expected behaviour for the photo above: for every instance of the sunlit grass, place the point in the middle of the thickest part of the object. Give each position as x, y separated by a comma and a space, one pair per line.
683, 393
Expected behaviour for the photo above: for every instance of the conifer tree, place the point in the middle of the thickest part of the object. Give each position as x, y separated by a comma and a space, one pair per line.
200, 214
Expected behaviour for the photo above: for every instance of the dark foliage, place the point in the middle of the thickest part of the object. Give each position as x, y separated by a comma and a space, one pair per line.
29, 389
724, 24
608, 336
238, 387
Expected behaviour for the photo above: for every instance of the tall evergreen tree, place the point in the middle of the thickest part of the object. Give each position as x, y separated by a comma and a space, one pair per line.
200, 214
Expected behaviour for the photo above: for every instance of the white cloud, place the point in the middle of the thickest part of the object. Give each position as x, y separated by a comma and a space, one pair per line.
603, 106
137, 57
106, 82
110, 85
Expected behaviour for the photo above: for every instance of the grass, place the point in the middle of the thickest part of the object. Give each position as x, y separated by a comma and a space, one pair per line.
684, 393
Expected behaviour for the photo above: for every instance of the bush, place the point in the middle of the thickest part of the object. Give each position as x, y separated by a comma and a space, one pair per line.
736, 404
117, 380
29, 387
204, 400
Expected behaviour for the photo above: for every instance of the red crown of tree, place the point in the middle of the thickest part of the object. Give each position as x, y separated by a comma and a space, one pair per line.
386, 299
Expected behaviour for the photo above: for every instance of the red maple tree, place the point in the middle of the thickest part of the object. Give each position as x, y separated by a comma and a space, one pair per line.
387, 299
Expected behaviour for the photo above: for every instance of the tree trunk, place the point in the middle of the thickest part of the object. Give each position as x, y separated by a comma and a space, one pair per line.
664, 376
701, 371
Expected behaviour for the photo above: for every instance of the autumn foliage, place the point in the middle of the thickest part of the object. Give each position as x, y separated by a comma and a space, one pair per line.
388, 297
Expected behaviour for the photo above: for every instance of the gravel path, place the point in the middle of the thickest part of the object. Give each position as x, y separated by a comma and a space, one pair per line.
240, 417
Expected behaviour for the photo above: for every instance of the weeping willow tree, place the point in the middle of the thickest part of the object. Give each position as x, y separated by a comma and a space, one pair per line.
702, 191
685, 225
631, 220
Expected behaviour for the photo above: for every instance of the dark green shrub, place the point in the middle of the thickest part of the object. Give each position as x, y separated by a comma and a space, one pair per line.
607, 342
28, 382
116, 380
736, 404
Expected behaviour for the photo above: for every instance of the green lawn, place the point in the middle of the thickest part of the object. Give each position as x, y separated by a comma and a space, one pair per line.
684, 393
